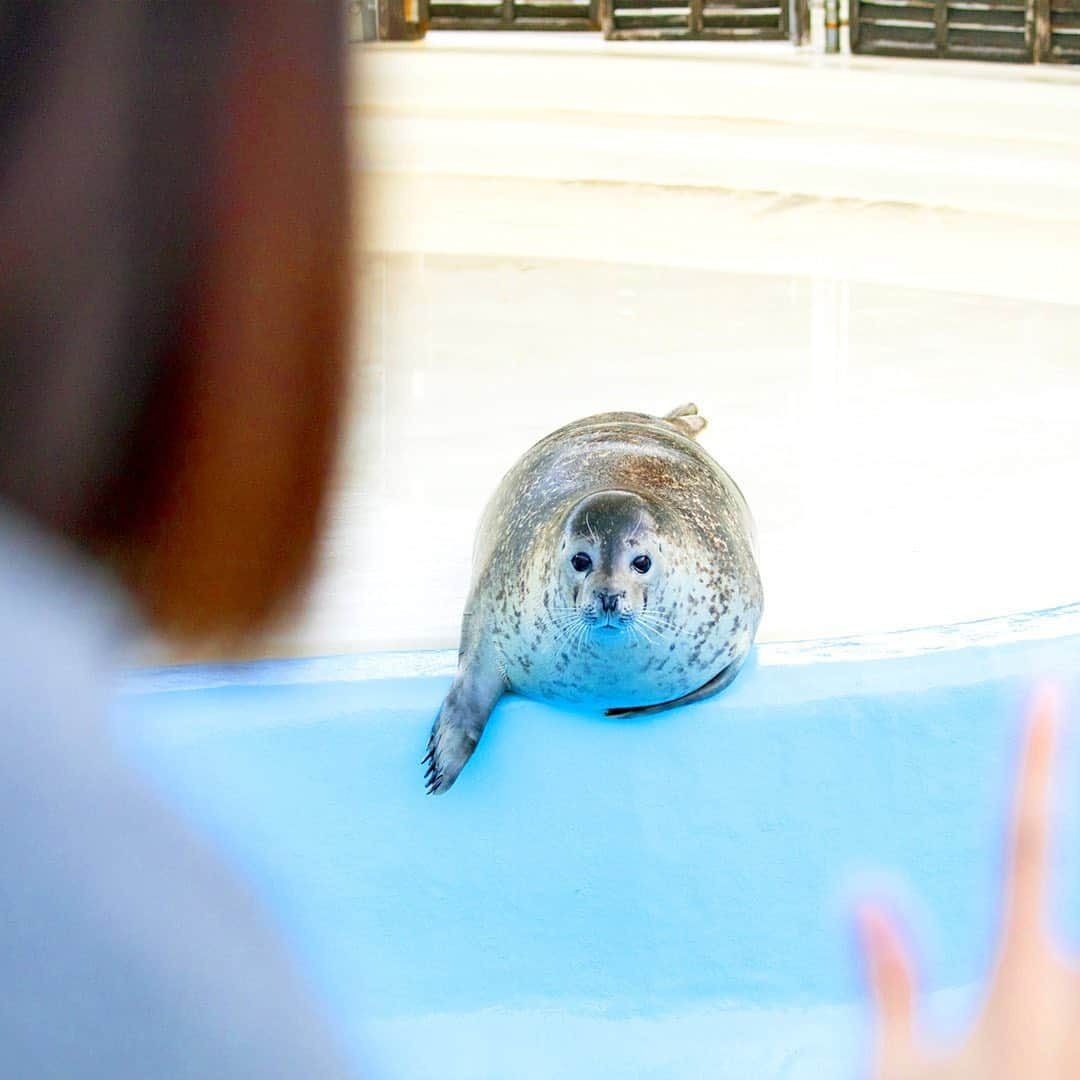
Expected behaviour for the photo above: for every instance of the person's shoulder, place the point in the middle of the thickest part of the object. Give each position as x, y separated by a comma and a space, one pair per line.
129, 944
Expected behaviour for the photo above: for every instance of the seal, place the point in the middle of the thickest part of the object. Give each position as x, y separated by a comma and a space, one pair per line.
614, 567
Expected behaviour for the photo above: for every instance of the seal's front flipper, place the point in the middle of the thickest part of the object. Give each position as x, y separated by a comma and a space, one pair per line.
460, 723
713, 686
686, 419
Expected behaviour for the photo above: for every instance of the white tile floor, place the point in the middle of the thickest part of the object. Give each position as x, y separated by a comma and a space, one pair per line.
895, 385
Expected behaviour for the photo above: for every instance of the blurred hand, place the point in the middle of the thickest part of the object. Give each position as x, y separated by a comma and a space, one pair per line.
1029, 1027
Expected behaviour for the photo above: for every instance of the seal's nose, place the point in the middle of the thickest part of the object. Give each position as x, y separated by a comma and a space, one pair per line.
609, 602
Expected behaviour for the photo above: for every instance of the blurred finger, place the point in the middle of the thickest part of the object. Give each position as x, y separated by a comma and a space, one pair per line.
892, 991
1029, 841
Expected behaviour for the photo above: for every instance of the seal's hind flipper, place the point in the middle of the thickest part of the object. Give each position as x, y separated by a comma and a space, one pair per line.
686, 419
713, 686
460, 723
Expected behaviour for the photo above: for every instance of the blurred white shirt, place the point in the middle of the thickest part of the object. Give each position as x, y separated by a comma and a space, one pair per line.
126, 948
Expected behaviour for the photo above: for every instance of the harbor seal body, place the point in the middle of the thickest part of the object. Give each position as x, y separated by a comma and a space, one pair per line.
614, 567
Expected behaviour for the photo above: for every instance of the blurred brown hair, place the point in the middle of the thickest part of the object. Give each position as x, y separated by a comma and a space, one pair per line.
173, 273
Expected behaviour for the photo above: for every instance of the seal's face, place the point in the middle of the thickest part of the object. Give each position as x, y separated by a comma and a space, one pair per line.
611, 567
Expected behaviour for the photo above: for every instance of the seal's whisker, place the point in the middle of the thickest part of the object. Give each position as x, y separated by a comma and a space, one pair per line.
566, 631
665, 633
655, 620
659, 624
570, 633
652, 616
592, 532
648, 616
650, 635
561, 616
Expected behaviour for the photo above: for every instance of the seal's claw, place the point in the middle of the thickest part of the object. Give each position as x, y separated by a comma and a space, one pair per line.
460, 723
451, 746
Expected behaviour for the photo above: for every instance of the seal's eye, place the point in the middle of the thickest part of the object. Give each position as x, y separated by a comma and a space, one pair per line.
641, 564
581, 562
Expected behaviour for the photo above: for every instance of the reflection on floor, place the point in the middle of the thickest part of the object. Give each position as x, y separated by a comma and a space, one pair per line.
908, 454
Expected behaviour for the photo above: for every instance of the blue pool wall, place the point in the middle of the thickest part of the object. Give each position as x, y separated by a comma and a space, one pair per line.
669, 896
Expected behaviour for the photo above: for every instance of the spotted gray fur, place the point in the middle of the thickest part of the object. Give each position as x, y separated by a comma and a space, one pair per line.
617, 485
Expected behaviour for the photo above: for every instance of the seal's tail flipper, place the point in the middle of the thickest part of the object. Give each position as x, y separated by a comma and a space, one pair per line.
717, 683
686, 419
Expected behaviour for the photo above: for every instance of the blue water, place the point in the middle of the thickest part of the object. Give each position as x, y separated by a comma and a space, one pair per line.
668, 897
